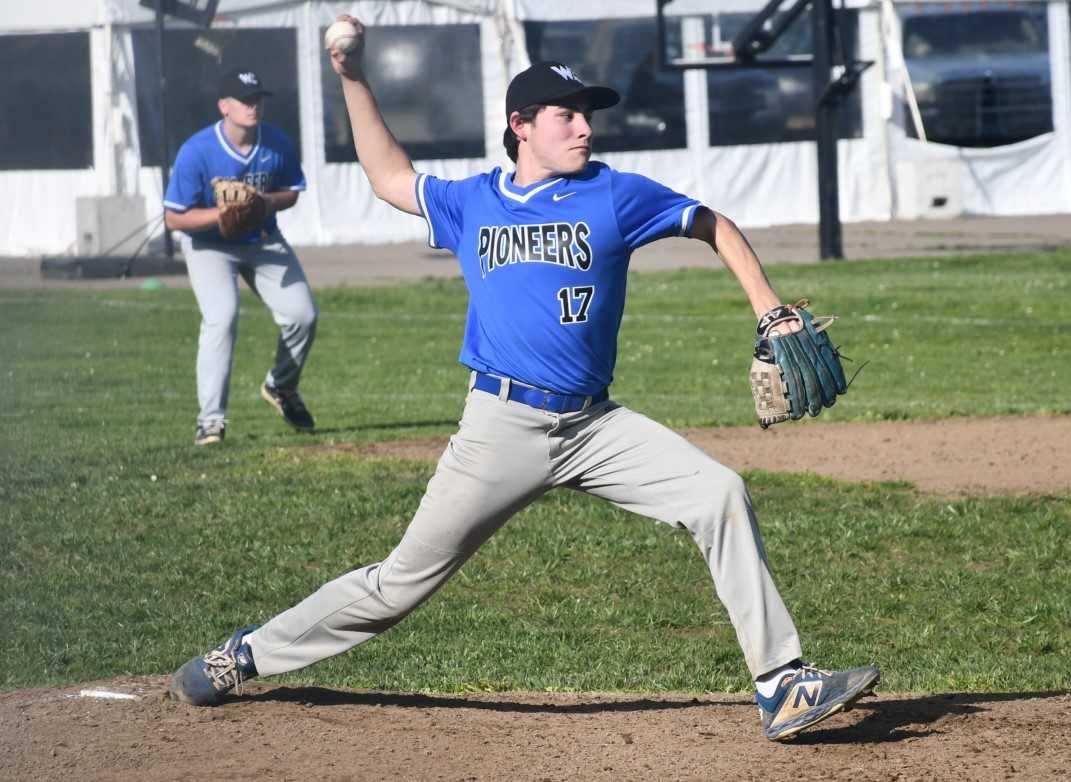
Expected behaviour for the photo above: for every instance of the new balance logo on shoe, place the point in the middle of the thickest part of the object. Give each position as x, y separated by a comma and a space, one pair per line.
807, 693
802, 697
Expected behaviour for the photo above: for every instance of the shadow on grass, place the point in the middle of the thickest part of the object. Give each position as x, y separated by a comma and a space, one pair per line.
337, 430
373, 427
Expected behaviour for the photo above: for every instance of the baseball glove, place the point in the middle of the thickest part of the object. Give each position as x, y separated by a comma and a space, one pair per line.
795, 373
241, 209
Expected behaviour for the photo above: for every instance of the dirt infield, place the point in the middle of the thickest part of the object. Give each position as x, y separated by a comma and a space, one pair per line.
958, 456
291, 733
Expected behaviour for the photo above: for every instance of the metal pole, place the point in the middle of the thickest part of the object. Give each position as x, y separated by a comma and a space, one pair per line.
165, 151
826, 131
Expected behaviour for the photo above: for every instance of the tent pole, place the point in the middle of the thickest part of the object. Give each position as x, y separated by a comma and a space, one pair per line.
165, 152
826, 111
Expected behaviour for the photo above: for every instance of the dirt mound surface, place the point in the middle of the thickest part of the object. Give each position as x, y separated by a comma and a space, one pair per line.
290, 733
956, 456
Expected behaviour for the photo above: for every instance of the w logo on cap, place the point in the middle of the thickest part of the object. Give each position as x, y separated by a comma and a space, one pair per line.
251, 78
565, 72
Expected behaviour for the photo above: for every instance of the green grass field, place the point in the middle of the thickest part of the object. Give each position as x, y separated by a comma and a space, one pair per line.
126, 550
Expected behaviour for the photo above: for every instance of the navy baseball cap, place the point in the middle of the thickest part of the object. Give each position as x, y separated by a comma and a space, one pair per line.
549, 82
241, 83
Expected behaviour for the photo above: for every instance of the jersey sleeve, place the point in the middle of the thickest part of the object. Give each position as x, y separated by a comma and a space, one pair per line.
441, 203
184, 188
291, 177
647, 210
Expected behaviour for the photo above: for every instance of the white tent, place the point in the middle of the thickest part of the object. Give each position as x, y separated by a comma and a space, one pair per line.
884, 174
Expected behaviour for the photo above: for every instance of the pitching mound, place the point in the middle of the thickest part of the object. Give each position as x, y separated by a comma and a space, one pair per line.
287, 733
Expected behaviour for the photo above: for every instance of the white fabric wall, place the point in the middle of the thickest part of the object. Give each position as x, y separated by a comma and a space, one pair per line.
42, 15
757, 185
1060, 45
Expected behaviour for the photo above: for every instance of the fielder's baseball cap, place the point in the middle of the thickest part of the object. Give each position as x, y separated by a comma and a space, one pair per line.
548, 82
241, 83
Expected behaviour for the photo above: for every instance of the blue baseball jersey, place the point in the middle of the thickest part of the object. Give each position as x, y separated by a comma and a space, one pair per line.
272, 164
546, 266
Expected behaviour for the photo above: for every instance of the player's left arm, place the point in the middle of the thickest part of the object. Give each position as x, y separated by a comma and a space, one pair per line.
290, 179
279, 200
736, 253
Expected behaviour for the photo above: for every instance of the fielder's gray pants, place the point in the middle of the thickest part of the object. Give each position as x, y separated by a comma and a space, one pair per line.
503, 457
272, 272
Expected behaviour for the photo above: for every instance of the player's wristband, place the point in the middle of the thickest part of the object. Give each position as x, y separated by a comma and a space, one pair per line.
781, 312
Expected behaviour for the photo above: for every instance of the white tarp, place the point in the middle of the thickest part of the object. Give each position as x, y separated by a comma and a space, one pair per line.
758, 185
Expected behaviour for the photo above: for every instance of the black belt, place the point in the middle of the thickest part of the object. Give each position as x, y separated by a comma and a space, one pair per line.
537, 397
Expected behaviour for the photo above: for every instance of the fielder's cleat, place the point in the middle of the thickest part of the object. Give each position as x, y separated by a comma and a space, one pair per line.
210, 432
203, 681
289, 405
809, 695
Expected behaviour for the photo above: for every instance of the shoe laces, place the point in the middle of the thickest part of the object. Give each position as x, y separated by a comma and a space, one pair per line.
223, 670
814, 671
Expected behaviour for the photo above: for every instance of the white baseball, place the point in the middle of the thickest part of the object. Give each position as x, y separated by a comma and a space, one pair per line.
341, 36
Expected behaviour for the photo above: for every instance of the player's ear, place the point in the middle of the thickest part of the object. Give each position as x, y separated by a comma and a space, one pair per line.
518, 126
222, 105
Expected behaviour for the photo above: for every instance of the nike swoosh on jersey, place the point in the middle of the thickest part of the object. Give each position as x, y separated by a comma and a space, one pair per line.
562, 196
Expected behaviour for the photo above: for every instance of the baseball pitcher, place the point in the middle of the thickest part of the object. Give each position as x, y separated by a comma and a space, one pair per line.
544, 250
229, 181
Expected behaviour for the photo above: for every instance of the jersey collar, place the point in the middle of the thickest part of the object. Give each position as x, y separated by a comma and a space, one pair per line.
522, 194
230, 150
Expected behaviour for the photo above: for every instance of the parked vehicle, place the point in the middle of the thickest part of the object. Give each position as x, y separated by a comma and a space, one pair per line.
981, 74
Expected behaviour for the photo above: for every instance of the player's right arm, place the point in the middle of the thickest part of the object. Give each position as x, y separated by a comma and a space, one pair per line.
384, 161
730, 244
736, 253
192, 220
182, 211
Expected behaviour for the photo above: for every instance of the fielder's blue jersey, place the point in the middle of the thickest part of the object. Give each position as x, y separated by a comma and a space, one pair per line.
546, 266
272, 164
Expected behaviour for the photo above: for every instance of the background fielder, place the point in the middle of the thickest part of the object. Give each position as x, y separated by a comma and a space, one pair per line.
240, 146
544, 252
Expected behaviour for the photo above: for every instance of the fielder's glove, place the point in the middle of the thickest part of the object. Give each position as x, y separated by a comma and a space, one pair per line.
795, 373
241, 209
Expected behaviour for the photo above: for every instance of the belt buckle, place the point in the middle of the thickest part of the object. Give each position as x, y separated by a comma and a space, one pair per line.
546, 400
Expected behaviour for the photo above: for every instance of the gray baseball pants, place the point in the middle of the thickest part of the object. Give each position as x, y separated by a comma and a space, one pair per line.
273, 273
503, 457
